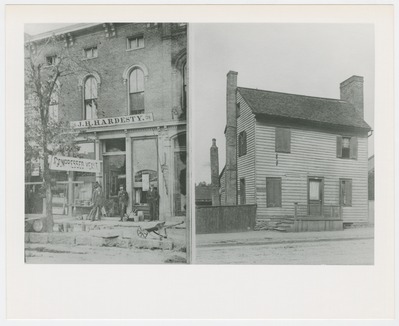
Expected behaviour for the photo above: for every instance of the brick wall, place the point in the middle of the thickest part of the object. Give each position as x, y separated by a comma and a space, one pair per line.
163, 44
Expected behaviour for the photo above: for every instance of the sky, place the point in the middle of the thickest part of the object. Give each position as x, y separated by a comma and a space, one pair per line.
306, 59
34, 29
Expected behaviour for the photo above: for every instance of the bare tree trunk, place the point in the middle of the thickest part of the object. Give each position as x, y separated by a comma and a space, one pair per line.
49, 201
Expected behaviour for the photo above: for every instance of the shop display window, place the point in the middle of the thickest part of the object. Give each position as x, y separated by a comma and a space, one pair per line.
145, 168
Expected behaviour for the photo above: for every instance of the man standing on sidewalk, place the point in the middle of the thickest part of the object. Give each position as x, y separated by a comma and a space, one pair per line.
123, 199
153, 199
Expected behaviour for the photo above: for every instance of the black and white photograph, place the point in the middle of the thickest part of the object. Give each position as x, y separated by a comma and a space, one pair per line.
215, 163
105, 143
285, 172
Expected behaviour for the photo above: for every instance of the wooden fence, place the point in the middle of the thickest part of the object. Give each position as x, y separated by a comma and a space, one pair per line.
223, 219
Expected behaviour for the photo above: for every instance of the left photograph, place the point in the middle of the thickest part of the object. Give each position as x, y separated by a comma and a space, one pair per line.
106, 144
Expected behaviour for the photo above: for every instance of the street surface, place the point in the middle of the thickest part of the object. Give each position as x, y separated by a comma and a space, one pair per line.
348, 247
64, 254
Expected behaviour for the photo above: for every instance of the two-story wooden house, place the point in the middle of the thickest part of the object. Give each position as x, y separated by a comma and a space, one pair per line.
129, 104
301, 159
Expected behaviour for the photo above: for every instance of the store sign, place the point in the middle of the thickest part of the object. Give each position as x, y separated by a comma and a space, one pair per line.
106, 122
63, 163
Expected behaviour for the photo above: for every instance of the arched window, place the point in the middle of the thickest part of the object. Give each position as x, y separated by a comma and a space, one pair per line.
136, 91
90, 98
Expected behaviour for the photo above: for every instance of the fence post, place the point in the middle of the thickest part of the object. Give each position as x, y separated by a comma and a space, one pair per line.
295, 211
331, 211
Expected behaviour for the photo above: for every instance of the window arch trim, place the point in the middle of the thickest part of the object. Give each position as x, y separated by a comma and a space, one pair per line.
83, 78
127, 71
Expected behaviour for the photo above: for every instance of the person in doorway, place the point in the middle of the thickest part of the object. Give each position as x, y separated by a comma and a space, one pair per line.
95, 213
123, 199
153, 202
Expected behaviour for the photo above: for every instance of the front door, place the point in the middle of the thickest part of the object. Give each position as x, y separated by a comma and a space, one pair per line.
315, 196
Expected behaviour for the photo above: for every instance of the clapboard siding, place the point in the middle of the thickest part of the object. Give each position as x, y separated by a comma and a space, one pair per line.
246, 163
313, 154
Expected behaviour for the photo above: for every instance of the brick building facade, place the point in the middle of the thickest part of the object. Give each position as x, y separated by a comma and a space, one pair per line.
129, 104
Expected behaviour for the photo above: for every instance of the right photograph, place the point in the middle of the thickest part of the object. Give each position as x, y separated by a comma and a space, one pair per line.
282, 131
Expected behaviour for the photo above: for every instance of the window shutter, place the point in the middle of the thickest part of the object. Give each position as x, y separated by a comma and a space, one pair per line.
283, 140
287, 140
273, 192
244, 140
353, 148
278, 135
339, 146
348, 185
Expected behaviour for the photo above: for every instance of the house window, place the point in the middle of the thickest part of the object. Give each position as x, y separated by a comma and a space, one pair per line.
90, 98
273, 192
238, 109
242, 191
242, 143
136, 42
136, 91
91, 52
346, 192
283, 140
347, 147
52, 60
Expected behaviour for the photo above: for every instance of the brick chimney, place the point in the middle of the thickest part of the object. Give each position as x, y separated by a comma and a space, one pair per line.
215, 174
352, 92
231, 139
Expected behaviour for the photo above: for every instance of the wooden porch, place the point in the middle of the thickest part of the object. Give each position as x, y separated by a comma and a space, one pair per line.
312, 218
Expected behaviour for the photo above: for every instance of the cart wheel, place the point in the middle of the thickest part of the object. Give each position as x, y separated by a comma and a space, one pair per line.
142, 233
38, 225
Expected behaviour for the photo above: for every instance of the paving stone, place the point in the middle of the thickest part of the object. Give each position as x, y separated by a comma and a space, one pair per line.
38, 237
164, 244
111, 242
97, 242
124, 243
62, 238
83, 240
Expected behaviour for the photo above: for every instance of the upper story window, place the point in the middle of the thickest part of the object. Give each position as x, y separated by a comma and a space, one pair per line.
238, 109
91, 53
90, 98
52, 60
347, 147
283, 140
242, 143
135, 42
136, 91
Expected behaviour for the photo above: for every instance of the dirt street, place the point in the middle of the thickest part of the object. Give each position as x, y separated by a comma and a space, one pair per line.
63, 254
319, 252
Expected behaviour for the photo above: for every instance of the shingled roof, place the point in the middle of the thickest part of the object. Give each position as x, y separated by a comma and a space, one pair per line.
307, 108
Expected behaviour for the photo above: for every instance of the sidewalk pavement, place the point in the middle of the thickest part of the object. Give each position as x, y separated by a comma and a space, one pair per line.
274, 237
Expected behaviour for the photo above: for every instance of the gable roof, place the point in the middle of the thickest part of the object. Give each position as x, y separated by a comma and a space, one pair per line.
306, 108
